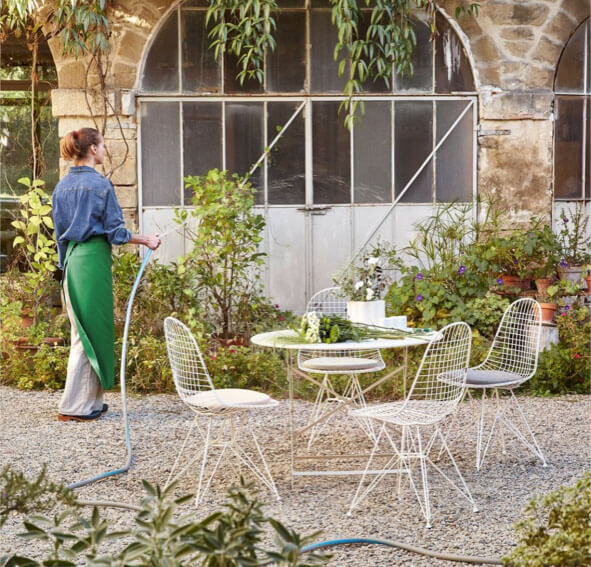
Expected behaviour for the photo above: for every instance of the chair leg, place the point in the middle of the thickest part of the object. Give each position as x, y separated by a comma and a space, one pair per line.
178, 458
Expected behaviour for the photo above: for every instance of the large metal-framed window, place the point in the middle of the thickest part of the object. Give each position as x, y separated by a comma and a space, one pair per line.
317, 161
572, 127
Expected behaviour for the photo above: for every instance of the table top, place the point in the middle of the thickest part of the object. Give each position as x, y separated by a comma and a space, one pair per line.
277, 339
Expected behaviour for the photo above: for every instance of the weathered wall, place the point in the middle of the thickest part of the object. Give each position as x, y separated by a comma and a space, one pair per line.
514, 46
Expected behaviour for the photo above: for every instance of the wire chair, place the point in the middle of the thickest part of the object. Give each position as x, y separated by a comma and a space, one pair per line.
329, 400
435, 393
511, 360
230, 405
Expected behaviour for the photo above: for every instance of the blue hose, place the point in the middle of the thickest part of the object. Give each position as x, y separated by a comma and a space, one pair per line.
122, 380
406, 547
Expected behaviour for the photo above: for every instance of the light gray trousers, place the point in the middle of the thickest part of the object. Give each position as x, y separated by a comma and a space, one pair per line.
83, 393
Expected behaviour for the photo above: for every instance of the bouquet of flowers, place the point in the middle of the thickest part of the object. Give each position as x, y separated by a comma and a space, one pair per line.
367, 280
320, 328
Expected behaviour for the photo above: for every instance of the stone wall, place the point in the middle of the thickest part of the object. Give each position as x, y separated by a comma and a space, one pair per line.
514, 46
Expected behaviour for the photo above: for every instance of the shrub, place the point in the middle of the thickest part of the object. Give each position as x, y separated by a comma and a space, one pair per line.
556, 530
231, 537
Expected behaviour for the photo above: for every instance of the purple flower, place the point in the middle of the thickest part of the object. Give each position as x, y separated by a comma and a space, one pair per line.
566, 307
500, 281
419, 297
461, 270
563, 263
564, 220
419, 276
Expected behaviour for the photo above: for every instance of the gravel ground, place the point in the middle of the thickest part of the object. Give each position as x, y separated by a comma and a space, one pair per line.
30, 435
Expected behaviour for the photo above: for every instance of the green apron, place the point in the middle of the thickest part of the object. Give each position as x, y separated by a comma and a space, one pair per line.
87, 267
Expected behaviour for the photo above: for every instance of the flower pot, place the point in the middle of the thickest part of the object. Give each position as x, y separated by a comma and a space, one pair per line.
548, 311
367, 312
571, 273
588, 280
542, 285
515, 281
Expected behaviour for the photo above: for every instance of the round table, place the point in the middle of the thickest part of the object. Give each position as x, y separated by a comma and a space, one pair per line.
286, 339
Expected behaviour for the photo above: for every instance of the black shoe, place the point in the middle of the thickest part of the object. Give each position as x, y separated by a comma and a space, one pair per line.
105, 408
93, 415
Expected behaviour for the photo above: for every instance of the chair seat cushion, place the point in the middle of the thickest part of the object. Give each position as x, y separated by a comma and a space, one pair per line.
230, 397
345, 363
491, 378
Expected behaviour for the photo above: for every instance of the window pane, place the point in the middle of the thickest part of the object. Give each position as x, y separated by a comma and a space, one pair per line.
287, 161
331, 158
286, 66
232, 84
422, 62
202, 139
324, 76
587, 154
413, 138
452, 68
454, 157
161, 168
200, 71
373, 147
161, 69
244, 139
569, 77
568, 147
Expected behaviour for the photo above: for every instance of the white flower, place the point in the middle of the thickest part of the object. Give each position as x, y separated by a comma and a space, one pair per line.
373, 260
369, 295
358, 285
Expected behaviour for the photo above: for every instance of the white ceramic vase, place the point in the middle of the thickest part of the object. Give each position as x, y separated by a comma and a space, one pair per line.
367, 312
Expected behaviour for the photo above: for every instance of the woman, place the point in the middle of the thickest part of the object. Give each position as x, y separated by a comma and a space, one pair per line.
88, 219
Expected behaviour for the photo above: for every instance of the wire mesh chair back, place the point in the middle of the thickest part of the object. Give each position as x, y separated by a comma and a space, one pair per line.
328, 301
442, 374
188, 369
516, 344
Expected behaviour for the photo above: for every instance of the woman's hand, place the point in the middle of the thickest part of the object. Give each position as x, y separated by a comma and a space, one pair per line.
152, 241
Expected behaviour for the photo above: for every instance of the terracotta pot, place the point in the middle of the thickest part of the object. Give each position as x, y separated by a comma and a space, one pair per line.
542, 285
588, 280
231, 341
548, 311
22, 343
515, 281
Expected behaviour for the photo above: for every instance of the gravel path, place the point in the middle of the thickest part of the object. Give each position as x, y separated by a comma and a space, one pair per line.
30, 435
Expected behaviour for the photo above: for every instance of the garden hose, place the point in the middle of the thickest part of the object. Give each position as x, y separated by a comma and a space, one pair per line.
122, 380
406, 547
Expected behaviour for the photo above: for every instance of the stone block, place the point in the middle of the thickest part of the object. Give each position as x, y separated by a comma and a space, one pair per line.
123, 75
484, 49
517, 49
516, 105
547, 52
71, 74
127, 196
517, 33
123, 161
128, 106
559, 28
516, 13
578, 10
130, 47
548, 337
73, 102
67, 124
539, 77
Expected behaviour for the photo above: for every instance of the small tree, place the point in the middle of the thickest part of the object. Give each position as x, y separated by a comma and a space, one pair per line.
225, 260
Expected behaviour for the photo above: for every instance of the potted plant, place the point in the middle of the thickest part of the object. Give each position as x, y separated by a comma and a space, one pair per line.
549, 300
365, 281
574, 242
225, 261
541, 254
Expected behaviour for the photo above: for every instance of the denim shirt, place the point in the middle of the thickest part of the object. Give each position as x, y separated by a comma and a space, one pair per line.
85, 205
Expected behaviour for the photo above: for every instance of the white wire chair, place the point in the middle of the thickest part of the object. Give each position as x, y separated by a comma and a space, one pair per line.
231, 405
329, 400
511, 360
435, 393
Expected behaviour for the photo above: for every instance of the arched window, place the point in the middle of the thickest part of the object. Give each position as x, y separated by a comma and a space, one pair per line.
415, 144
572, 145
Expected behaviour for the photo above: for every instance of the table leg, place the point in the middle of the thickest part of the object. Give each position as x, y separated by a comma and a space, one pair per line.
405, 371
291, 422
